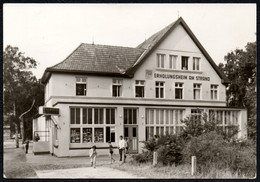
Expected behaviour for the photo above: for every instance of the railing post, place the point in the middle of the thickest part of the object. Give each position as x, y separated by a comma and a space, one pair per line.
154, 158
193, 165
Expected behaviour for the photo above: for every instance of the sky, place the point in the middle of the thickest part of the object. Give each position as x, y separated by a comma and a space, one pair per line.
50, 32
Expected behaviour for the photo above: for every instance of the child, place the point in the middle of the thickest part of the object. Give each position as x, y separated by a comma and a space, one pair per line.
93, 155
111, 153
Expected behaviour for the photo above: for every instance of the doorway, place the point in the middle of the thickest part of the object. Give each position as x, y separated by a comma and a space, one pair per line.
131, 133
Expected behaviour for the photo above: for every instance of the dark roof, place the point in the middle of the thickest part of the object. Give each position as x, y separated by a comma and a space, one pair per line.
97, 59
120, 61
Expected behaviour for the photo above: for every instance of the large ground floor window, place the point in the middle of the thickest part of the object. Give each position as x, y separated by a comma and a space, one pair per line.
163, 121
91, 125
226, 120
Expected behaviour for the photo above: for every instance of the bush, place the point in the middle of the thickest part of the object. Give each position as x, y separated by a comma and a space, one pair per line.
212, 151
169, 149
144, 157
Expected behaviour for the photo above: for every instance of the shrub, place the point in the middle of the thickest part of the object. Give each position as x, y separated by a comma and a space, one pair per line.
213, 152
208, 150
144, 157
169, 148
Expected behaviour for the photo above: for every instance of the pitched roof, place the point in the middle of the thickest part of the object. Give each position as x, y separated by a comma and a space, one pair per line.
120, 61
97, 59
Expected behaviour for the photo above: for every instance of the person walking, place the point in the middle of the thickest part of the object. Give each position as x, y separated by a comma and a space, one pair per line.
122, 146
26, 145
93, 156
111, 153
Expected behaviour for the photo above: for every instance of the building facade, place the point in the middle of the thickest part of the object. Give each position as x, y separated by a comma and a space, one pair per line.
103, 92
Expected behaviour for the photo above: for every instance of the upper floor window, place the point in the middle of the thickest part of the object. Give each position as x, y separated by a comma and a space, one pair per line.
173, 62
196, 63
178, 90
196, 91
81, 86
159, 89
184, 62
160, 60
117, 88
139, 88
214, 92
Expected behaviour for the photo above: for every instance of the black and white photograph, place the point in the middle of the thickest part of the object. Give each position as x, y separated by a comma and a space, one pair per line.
129, 91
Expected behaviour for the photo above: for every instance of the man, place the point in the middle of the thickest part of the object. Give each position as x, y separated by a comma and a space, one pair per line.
26, 145
122, 146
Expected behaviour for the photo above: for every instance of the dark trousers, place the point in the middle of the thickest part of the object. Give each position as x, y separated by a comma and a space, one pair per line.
122, 154
26, 148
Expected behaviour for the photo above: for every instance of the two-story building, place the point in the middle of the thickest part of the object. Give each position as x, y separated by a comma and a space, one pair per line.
105, 91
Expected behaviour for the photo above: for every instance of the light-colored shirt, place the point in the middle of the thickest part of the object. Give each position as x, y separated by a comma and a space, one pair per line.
92, 152
122, 144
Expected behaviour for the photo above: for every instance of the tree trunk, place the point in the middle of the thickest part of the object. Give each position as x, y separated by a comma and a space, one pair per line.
16, 129
22, 130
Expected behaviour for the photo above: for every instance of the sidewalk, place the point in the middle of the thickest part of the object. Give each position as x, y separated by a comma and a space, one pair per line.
86, 172
48, 166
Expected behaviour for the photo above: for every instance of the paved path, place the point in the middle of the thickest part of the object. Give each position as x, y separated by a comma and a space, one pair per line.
86, 172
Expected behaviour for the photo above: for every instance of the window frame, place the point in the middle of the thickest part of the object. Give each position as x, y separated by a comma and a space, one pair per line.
92, 125
140, 84
213, 91
81, 81
118, 85
160, 60
186, 65
172, 61
159, 87
195, 88
196, 64
179, 86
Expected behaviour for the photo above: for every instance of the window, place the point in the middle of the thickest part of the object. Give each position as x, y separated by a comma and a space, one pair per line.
214, 92
110, 116
162, 121
87, 125
81, 86
75, 135
117, 86
196, 114
98, 116
130, 116
196, 91
99, 135
184, 62
159, 89
196, 63
87, 116
160, 60
75, 116
87, 135
173, 62
178, 90
139, 88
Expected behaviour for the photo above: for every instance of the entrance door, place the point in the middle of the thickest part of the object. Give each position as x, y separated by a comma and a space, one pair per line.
131, 133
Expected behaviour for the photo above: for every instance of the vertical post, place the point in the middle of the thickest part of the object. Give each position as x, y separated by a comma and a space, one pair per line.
154, 158
193, 165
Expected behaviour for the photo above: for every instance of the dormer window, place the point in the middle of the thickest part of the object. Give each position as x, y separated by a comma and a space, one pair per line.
160, 60
81, 86
184, 62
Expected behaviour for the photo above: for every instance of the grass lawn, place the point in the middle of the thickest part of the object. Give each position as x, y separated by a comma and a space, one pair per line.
172, 172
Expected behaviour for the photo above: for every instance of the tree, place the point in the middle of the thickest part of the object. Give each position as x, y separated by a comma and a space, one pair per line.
21, 88
240, 69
